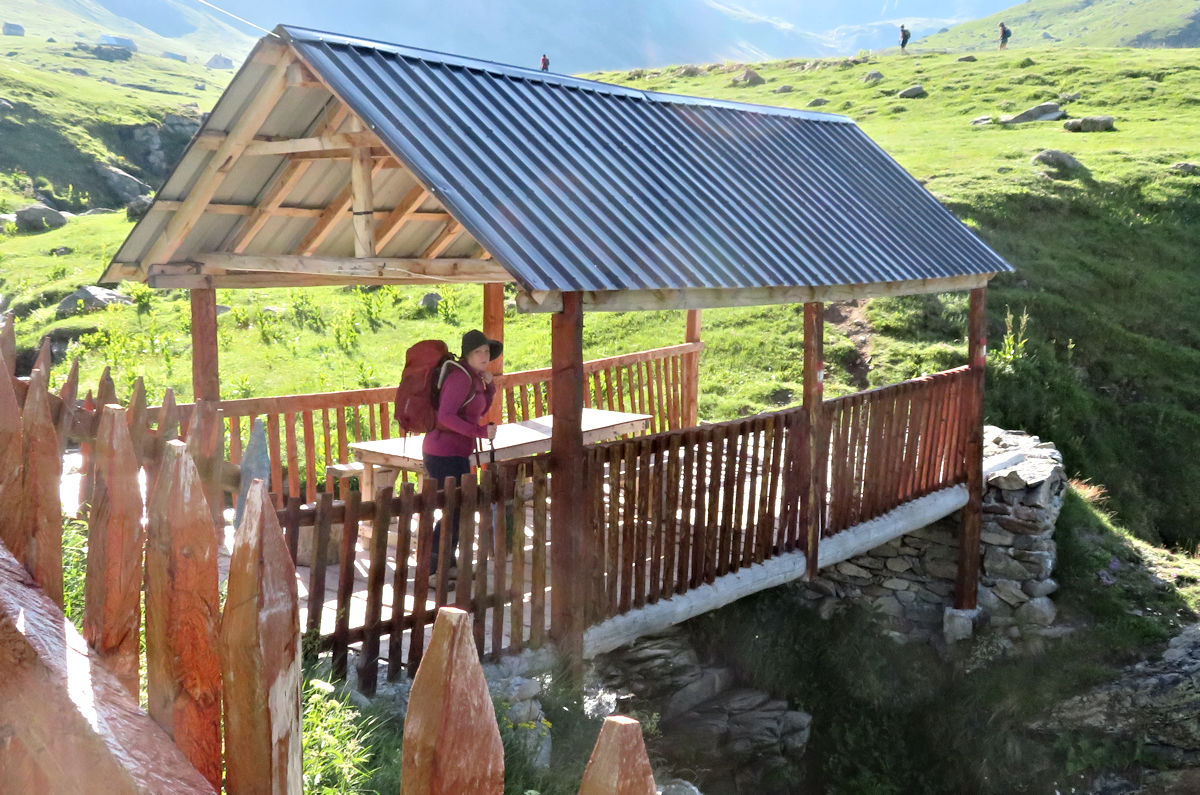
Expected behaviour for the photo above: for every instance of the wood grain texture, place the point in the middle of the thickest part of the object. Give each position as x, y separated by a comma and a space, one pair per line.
619, 764
12, 464
451, 740
41, 515
182, 667
260, 649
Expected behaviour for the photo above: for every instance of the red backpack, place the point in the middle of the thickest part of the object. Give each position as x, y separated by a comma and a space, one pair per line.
420, 385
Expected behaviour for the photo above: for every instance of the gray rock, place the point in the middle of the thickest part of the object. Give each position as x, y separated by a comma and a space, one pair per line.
1046, 111
1040, 610
89, 298
979, 121
1011, 592
998, 563
912, 92
678, 786
1181, 167
1089, 124
38, 218
851, 570
967, 59
712, 682
1060, 162
817, 102
689, 70
1039, 587
430, 301
872, 77
138, 207
782, 90
121, 184
959, 624
749, 78
1069, 97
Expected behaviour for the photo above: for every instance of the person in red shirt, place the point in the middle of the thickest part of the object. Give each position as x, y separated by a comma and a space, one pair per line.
465, 395
545, 63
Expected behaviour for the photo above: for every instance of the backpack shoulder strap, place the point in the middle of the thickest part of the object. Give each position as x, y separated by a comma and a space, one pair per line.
445, 371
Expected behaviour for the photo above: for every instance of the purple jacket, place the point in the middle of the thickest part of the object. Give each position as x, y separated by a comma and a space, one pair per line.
458, 425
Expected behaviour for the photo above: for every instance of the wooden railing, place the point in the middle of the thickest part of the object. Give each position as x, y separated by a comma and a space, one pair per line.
676, 510
307, 433
890, 445
502, 566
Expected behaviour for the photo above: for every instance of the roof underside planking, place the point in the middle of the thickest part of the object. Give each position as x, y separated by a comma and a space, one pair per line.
331, 160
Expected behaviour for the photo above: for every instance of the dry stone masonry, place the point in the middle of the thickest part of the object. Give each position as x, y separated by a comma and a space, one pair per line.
910, 579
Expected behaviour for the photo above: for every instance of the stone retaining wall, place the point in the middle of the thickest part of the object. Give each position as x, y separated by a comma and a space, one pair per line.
910, 579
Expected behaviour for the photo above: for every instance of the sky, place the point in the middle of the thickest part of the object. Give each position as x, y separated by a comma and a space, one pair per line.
587, 35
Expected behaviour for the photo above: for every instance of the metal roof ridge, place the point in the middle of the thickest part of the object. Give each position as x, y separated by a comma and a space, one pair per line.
311, 35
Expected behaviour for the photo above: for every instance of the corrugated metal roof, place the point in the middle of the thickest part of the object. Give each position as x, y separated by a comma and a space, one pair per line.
573, 184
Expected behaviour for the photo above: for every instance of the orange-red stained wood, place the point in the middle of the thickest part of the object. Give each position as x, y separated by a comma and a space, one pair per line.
41, 515
66, 407
12, 454
8, 344
619, 764
113, 589
260, 653
183, 671
77, 728
451, 740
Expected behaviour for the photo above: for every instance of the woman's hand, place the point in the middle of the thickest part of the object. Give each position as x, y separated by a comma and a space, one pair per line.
486, 376
491, 430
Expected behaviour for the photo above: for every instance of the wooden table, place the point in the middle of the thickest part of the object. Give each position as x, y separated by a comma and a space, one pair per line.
513, 440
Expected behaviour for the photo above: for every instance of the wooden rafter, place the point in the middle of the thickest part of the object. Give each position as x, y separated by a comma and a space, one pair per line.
284, 182
319, 143
406, 209
241, 270
362, 200
700, 298
335, 212
220, 163
444, 239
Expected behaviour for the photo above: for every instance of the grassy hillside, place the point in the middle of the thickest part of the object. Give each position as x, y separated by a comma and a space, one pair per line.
68, 107
1079, 23
1108, 365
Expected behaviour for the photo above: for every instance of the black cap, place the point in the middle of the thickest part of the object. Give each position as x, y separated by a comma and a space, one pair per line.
476, 339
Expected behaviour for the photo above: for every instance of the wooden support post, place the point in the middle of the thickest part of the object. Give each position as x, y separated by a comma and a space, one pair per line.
568, 547
493, 329
619, 764
967, 584
206, 382
113, 589
691, 373
182, 667
814, 394
362, 199
260, 644
451, 740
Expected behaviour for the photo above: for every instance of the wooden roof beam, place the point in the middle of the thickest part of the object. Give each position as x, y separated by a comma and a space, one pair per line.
704, 298
240, 270
442, 242
220, 163
405, 210
333, 213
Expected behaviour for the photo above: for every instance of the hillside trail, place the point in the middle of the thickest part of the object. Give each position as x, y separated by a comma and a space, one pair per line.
850, 318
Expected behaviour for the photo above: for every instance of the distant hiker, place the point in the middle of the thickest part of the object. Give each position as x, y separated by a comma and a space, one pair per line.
1005, 35
905, 35
545, 63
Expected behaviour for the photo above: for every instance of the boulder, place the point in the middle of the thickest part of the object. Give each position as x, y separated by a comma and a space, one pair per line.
1039, 610
121, 184
749, 78
1069, 97
968, 59
872, 77
818, 102
429, 302
782, 90
38, 218
1189, 169
1060, 163
89, 298
979, 121
137, 207
1047, 111
688, 70
1090, 124
912, 92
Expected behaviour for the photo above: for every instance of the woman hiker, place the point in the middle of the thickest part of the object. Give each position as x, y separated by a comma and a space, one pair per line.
1005, 35
466, 392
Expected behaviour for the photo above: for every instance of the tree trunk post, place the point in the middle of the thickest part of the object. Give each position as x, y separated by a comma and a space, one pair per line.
567, 521
814, 394
967, 585
206, 382
493, 329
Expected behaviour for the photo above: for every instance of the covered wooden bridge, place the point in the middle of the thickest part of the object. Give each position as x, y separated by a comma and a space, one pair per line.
332, 160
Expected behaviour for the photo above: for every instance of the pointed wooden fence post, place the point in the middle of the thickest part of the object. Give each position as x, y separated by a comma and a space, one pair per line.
66, 413
256, 465
113, 589
8, 344
183, 671
451, 740
12, 469
204, 446
41, 515
260, 645
619, 764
